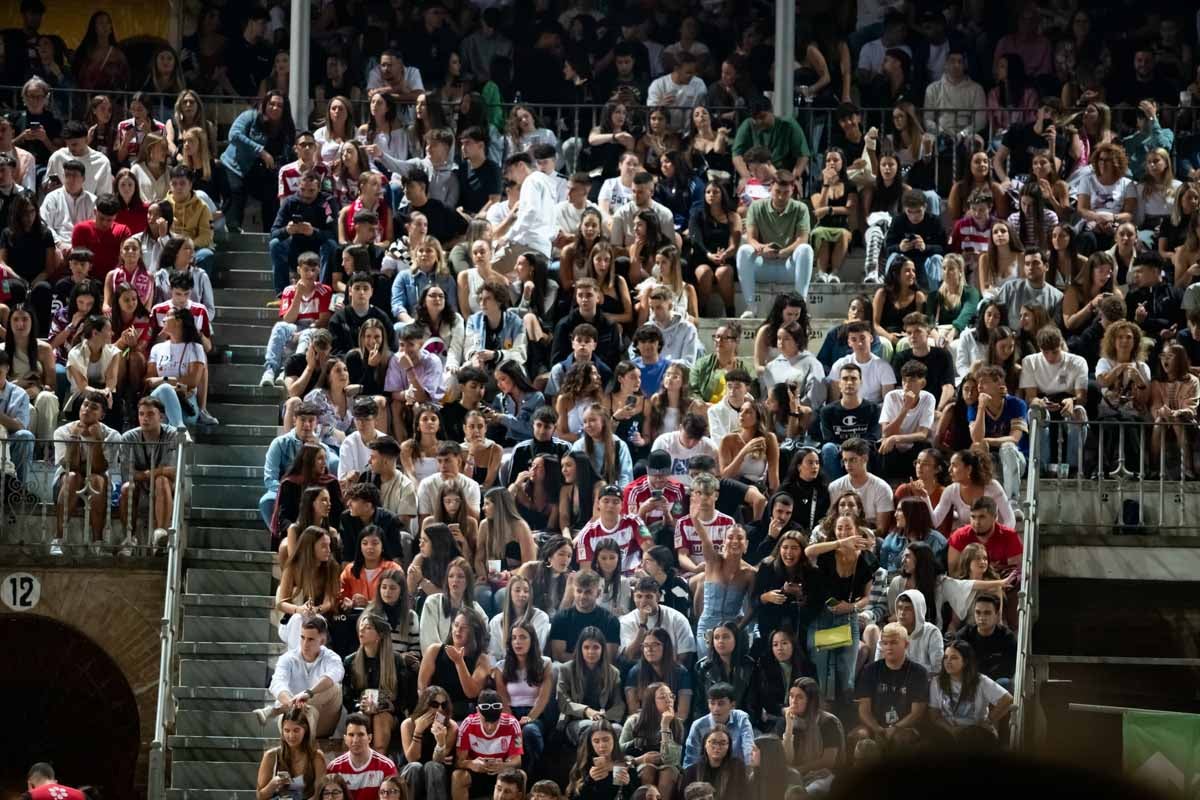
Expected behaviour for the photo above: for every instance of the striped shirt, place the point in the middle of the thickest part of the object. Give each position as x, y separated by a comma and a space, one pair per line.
363, 782
628, 534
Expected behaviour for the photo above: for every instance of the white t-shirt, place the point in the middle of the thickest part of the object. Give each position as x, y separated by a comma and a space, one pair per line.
677, 626
569, 216
1108, 198
919, 417
1104, 366
966, 710
616, 193
671, 442
1068, 376
686, 97
353, 455
876, 375
173, 360
875, 493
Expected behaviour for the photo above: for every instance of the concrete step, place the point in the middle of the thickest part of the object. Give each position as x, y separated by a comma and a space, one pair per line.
245, 413
255, 606
256, 652
242, 334
243, 297
246, 455
220, 723
200, 538
233, 559
250, 241
211, 794
233, 374
237, 435
227, 582
249, 314
226, 629
244, 260
222, 473
247, 392
208, 515
219, 698
245, 674
221, 750
235, 495
214, 775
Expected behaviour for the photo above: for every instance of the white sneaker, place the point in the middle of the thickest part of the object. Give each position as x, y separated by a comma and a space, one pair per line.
268, 378
822, 277
279, 379
127, 545
96, 548
265, 713
749, 313
831, 278
56, 547
872, 277
161, 537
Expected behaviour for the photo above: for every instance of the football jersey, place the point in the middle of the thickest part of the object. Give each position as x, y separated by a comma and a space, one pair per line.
627, 534
686, 536
503, 743
311, 307
363, 783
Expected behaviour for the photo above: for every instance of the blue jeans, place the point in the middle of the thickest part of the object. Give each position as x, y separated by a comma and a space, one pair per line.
751, 268
282, 336
831, 461
266, 506
165, 394
204, 259
285, 252
929, 269
835, 667
20, 452
533, 735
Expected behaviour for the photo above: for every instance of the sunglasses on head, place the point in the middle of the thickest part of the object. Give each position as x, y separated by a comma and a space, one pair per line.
490, 707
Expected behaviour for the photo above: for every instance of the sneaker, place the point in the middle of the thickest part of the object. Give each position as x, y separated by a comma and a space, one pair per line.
276, 303
96, 548
127, 545
56, 547
820, 277
160, 538
279, 380
831, 278
205, 418
872, 277
749, 313
268, 378
265, 713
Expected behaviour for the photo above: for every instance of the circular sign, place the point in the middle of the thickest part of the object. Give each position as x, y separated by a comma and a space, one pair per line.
20, 591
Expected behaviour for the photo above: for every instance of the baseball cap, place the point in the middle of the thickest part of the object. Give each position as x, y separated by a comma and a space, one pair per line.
658, 463
611, 490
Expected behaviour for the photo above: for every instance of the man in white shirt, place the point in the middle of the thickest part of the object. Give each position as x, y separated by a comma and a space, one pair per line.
354, 455
545, 158
691, 439
906, 420
97, 171
1058, 382
725, 416
946, 99
875, 492
616, 192
533, 225
390, 76
625, 219
870, 57
878, 377
648, 615
397, 492
679, 91
308, 678
449, 459
68, 205
569, 212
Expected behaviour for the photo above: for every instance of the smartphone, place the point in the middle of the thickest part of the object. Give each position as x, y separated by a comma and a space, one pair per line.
35, 125
439, 718
297, 218
631, 400
657, 494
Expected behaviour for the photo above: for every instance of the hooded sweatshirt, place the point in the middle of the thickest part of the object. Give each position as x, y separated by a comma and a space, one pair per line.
925, 646
681, 342
192, 219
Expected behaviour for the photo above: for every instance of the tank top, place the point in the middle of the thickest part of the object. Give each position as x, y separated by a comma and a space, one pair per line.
521, 693
423, 467
445, 674
892, 318
21, 368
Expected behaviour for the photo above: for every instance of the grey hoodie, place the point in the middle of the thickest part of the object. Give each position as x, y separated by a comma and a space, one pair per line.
681, 342
925, 645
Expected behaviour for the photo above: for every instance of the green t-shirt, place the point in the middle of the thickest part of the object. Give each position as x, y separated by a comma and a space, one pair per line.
772, 227
785, 139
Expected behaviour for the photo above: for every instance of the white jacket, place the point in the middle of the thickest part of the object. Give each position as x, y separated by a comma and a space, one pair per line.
60, 212
925, 644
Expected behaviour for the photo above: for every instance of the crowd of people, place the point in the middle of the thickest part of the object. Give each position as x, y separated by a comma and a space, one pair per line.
521, 506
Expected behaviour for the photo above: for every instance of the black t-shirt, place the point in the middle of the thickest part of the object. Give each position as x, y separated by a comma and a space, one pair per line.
839, 423
937, 361
476, 185
247, 65
892, 692
445, 224
1023, 141
569, 623
345, 324
294, 368
996, 654
731, 497
368, 378
53, 126
26, 253
829, 585
454, 415
525, 452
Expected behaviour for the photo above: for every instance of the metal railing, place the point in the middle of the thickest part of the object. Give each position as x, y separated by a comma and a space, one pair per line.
38, 508
1024, 686
1120, 475
164, 714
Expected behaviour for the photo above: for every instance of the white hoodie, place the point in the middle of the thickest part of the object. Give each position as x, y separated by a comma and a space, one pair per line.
925, 644
681, 342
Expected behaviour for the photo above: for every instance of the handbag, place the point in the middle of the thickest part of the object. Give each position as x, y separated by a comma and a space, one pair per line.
839, 635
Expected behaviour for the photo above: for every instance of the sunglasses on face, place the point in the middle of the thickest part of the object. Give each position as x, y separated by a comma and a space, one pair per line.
436, 704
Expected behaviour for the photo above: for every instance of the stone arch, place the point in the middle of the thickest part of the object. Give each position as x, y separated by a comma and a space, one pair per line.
71, 704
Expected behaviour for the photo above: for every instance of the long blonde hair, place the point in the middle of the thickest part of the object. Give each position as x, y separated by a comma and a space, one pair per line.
204, 168
442, 268
608, 471
316, 580
387, 662
675, 282
501, 525
1150, 184
952, 299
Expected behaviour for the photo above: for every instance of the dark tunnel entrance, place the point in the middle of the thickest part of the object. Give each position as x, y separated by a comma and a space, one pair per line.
66, 702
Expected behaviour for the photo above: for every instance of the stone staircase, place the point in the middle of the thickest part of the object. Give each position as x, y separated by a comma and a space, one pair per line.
229, 645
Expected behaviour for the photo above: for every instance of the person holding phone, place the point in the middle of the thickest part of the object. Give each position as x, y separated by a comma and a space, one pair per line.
776, 245
489, 742
295, 767
428, 739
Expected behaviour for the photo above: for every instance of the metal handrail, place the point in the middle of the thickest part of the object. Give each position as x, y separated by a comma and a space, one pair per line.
1024, 687
176, 546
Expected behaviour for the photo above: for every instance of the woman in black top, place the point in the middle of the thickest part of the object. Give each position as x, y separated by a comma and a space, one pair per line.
782, 663
715, 230
461, 663
897, 298
781, 591
678, 189
374, 666
27, 246
368, 363
427, 738
717, 767
607, 143
807, 487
